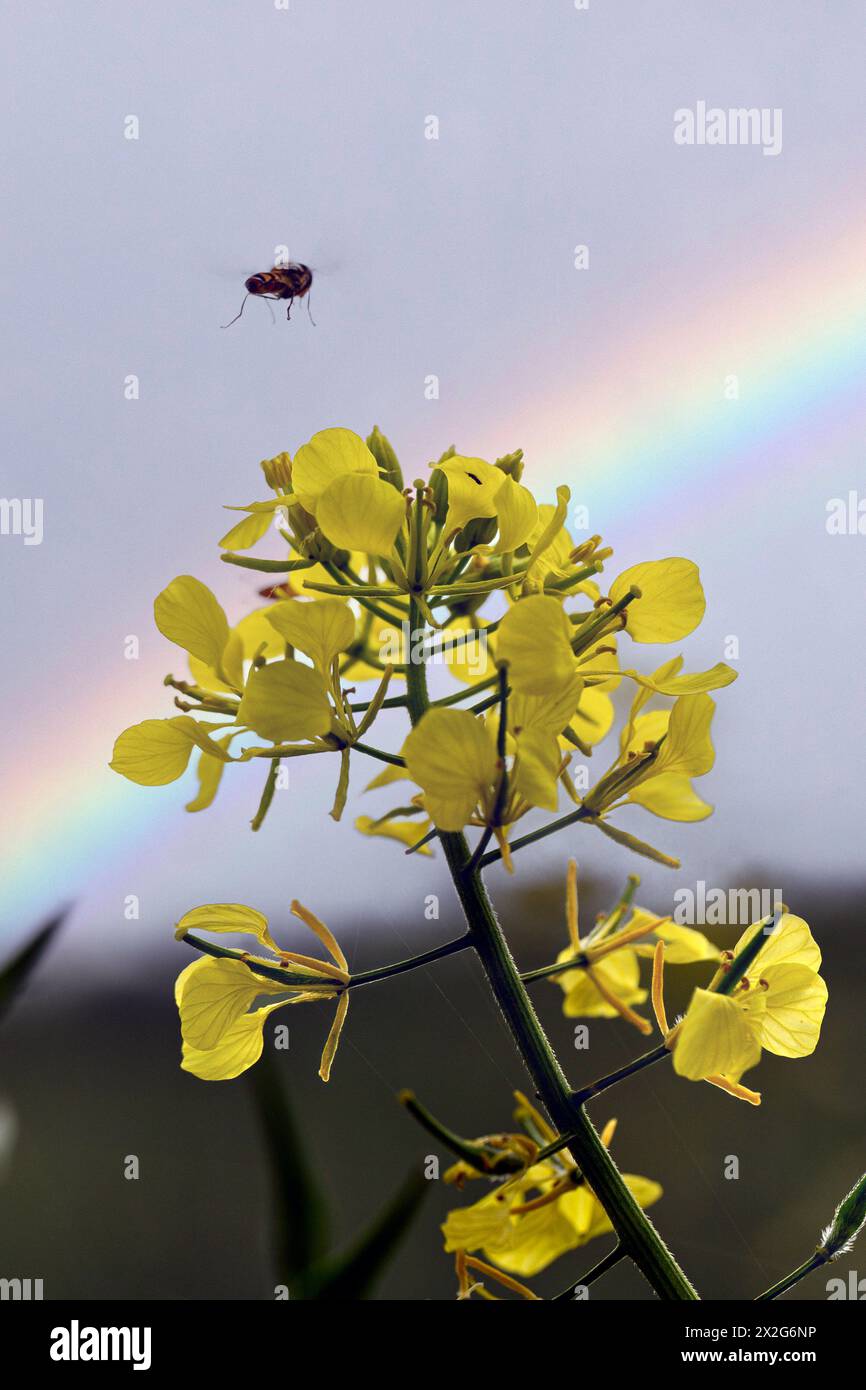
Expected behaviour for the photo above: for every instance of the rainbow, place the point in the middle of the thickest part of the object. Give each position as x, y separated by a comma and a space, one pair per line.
640, 422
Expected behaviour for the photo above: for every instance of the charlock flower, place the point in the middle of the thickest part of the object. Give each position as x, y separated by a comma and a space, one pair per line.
222, 1033
779, 1006
299, 708
606, 979
528, 1221
453, 756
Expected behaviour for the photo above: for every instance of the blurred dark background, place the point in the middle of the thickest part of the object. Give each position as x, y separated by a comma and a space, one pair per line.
94, 1077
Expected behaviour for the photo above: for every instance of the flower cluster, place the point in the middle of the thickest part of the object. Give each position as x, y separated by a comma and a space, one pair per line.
473, 555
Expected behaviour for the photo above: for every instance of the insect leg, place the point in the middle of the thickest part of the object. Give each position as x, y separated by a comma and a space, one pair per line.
237, 315
309, 310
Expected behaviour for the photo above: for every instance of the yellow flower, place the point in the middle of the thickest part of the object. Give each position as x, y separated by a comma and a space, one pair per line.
778, 1006
336, 478
452, 755
222, 1033
606, 979
472, 488
527, 1222
282, 700
661, 784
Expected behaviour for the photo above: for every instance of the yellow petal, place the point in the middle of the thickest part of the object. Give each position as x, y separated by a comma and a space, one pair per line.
452, 757
476, 1227
470, 661
473, 486
688, 748
683, 945
213, 994
330, 454
285, 701
534, 1241
790, 942
234, 918
334, 1036
535, 639
593, 717
360, 512
644, 1190
536, 769
325, 935
715, 1036
407, 832
549, 543
238, 1049
157, 751
794, 1010
389, 774
321, 628
619, 972
186, 612
672, 600
549, 712
209, 772
245, 533
517, 511
692, 683
671, 796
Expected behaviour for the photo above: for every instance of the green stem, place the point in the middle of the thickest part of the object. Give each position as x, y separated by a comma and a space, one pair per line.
267, 795
612, 1258
380, 754
364, 977
636, 1233
814, 1262
544, 971
630, 1069
541, 834
249, 562
384, 972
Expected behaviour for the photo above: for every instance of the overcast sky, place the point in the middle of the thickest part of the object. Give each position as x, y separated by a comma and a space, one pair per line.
451, 257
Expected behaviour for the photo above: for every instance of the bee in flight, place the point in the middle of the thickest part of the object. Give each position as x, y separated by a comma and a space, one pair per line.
290, 282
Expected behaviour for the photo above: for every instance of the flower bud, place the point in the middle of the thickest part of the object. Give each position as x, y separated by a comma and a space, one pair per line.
439, 486
383, 453
278, 472
315, 546
847, 1223
512, 464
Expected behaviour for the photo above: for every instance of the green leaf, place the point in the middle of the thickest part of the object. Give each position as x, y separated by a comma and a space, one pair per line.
349, 1279
300, 1222
15, 974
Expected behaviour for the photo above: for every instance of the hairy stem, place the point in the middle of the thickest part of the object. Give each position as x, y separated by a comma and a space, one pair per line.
814, 1262
637, 1235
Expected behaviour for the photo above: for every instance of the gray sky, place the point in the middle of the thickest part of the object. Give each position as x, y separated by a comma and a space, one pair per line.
452, 256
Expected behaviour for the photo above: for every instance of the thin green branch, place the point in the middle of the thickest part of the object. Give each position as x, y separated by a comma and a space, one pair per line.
814, 1262
612, 1258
